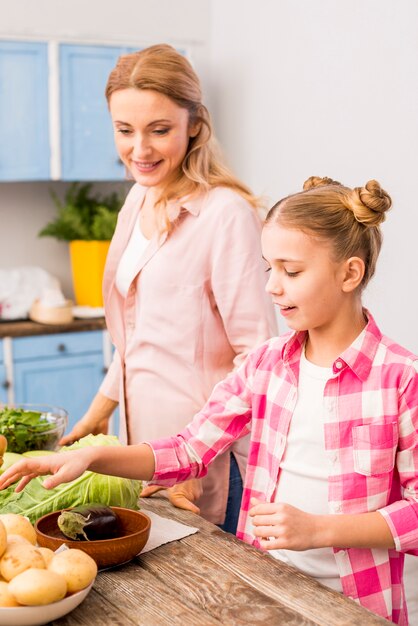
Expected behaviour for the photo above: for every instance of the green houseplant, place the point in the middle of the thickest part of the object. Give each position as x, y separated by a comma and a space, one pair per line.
87, 222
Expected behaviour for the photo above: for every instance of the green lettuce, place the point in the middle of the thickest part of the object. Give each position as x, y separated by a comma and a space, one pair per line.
35, 501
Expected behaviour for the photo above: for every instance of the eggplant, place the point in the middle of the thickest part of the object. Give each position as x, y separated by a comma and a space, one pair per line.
89, 522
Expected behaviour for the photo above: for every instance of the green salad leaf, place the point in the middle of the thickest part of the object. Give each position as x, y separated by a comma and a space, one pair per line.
35, 501
27, 430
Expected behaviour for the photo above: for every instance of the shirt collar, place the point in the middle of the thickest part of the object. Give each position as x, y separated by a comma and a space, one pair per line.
192, 205
358, 357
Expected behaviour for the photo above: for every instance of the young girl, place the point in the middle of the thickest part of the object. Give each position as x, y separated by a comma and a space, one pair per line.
332, 476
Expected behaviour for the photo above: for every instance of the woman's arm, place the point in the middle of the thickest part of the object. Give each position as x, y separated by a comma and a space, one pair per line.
94, 421
238, 280
96, 418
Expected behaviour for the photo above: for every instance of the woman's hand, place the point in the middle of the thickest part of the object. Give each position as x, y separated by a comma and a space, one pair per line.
64, 467
182, 495
282, 526
94, 422
86, 426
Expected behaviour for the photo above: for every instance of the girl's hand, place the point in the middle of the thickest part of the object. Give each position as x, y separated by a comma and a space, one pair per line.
64, 467
282, 526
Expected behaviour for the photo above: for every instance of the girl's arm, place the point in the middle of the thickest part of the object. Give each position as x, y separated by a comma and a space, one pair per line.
125, 461
282, 526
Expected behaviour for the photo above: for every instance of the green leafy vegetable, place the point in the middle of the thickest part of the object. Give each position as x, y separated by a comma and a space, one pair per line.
81, 215
27, 430
9, 459
35, 501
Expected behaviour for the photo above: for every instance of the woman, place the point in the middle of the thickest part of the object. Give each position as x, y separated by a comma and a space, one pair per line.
184, 284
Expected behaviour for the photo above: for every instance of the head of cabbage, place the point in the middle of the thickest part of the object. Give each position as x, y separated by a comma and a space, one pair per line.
35, 501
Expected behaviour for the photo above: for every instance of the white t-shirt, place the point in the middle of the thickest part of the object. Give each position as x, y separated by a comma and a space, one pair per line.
129, 260
303, 478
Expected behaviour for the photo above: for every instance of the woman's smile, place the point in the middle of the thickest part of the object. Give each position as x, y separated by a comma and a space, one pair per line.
151, 134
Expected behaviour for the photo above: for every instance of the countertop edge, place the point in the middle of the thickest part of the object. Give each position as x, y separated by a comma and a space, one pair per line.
27, 328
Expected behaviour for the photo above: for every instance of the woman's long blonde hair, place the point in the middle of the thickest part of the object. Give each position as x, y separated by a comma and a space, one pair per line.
166, 71
348, 218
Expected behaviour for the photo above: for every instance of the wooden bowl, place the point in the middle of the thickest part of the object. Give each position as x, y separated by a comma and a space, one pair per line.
51, 315
134, 529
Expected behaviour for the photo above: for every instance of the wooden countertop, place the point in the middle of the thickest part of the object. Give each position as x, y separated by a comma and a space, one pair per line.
210, 579
26, 328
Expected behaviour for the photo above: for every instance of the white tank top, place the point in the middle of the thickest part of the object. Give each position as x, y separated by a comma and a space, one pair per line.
129, 260
303, 478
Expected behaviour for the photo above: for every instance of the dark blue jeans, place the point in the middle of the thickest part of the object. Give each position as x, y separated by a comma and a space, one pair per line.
234, 498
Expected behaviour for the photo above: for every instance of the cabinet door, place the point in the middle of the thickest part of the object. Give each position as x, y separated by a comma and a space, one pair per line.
69, 382
24, 111
64, 370
3, 384
88, 151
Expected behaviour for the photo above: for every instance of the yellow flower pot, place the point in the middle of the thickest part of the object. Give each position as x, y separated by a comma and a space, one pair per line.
87, 265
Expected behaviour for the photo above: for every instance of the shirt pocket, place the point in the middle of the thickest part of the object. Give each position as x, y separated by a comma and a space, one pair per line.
374, 448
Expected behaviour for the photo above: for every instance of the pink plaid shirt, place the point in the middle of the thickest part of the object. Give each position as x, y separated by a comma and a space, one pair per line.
371, 442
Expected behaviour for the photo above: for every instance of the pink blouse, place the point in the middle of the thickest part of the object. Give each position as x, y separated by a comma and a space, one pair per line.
194, 310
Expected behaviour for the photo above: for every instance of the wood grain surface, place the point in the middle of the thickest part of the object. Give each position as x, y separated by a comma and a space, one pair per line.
210, 578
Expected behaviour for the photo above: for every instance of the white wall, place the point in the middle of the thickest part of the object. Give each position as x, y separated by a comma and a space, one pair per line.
328, 88
296, 87
26, 207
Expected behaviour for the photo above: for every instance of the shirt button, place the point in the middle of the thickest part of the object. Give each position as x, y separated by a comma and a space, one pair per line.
338, 365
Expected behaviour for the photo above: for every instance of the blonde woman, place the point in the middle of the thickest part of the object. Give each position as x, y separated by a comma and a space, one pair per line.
184, 285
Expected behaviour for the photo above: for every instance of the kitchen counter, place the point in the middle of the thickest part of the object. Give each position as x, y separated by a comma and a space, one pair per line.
26, 328
210, 579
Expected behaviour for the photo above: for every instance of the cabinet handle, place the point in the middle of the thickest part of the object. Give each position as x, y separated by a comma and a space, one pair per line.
6, 384
61, 347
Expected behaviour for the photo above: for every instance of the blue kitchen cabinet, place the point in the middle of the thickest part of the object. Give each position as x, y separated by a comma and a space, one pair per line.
24, 111
85, 148
61, 369
88, 150
4, 383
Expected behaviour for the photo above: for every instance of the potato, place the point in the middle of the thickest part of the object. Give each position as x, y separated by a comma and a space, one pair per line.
3, 448
7, 598
18, 557
77, 567
18, 525
12, 538
3, 539
36, 587
47, 554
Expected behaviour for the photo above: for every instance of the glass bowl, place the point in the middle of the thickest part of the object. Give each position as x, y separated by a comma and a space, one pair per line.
30, 427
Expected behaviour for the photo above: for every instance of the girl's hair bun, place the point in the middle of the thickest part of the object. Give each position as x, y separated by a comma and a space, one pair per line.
370, 203
317, 181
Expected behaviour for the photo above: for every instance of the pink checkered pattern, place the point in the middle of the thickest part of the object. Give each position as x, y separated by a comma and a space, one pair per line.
371, 441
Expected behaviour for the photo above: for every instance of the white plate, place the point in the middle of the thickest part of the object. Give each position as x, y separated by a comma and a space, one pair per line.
36, 615
85, 312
